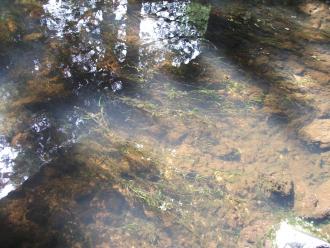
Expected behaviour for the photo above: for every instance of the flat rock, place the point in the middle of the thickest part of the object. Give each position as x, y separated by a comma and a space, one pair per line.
315, 204
317, 132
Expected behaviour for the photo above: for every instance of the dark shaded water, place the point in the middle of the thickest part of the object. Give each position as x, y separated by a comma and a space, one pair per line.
163, 123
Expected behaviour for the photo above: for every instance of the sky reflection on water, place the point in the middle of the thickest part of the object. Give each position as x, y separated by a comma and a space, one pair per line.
7, 157
165, 30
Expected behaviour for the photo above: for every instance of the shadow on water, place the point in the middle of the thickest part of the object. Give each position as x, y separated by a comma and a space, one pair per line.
78, 197
268, 44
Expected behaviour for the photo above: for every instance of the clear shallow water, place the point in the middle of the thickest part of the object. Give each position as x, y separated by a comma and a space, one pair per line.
167, 124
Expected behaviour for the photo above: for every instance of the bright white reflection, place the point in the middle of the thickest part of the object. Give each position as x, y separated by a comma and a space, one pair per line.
165, 31
120, 9
7, 157
58, 13
76, 18
120, 12
288, 236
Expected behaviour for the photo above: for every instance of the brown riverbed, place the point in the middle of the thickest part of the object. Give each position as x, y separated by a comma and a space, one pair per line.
163, 124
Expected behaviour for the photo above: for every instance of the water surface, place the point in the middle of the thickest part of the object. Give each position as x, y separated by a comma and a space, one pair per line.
161, 123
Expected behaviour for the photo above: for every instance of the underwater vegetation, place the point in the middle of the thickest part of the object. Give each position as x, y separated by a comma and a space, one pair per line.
163, 123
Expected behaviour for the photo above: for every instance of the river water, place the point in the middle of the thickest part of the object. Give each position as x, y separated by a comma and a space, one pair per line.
127, 123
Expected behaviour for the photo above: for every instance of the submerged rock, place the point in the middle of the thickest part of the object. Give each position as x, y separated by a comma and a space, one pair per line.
254, 234
315, 205
278, 187
33, 36
317, 133
6, 32
233, 155
325, 160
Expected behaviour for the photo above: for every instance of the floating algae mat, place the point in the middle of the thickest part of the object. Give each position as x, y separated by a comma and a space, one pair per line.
130, 123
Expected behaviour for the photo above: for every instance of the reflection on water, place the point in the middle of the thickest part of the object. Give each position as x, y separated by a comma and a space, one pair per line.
120, 11
7, 157
166, 30
66, 17
58, 13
